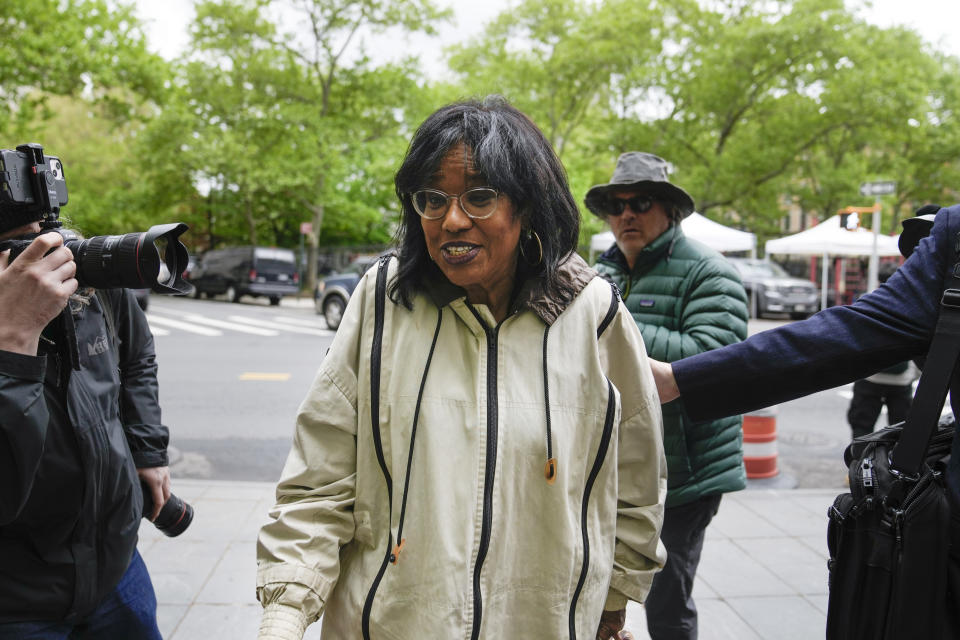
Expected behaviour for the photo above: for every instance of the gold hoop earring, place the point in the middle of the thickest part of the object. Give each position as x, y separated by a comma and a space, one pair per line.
539, 247
531, 233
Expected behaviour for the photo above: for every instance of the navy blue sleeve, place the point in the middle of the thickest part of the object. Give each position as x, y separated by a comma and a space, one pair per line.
836, 346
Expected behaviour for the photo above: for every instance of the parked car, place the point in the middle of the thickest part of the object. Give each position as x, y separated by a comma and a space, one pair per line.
332, 292
247, 271
190, 268
770, 289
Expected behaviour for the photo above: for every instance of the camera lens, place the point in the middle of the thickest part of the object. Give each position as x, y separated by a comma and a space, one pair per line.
114, 261
133, 260
175, 515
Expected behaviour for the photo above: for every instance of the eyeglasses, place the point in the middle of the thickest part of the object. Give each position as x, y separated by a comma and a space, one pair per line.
478, 203
638, 204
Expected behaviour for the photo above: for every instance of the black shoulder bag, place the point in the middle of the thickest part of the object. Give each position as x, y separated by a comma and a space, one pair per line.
889, 537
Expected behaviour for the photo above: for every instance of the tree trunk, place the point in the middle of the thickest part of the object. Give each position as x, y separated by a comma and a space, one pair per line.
313, 239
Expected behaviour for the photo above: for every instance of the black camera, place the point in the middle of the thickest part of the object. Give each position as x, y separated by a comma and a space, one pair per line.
33, 188
175, 514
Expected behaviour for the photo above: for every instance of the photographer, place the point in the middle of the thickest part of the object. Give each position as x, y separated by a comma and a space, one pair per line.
79, 422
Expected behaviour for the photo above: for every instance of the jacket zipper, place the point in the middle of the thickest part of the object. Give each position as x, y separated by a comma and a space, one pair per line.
375, 360
489, 469
588, 488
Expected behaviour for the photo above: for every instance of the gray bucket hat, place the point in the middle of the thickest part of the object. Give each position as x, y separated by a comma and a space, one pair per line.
644, 170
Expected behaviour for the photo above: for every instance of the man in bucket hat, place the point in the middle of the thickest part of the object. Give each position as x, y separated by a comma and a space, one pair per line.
685, 298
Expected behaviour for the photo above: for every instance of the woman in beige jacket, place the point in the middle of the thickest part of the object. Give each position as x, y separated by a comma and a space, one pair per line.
480, 455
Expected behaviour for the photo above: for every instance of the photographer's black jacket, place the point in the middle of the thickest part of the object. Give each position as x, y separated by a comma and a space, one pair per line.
70, 442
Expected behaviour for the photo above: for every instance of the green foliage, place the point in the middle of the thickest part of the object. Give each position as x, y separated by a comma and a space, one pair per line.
794, 102
558, 61
69, 48
288, 127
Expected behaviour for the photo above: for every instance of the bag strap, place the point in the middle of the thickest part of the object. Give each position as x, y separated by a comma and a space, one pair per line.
924, 416
611, 310
380, 299
106, 306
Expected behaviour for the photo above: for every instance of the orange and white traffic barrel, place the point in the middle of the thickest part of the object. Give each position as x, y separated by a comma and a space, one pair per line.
760, 443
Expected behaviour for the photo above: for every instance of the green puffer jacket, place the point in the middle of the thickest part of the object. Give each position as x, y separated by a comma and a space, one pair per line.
686, 299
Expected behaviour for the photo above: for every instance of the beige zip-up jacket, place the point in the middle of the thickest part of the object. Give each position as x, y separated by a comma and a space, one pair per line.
467, 412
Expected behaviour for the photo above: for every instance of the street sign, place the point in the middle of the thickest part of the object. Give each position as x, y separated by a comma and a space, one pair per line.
882, 188
306, 228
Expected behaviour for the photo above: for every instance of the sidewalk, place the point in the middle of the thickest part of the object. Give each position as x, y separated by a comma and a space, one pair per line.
763, 574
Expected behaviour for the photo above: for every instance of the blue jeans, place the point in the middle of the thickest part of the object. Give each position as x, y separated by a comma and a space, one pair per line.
129, 612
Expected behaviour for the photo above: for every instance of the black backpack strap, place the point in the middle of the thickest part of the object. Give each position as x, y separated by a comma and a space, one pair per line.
938, 371
932, 389
380, 301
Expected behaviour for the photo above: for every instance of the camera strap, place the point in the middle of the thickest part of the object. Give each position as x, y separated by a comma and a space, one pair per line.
70, 336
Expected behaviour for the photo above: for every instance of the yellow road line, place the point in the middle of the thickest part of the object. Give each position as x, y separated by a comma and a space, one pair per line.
252, 375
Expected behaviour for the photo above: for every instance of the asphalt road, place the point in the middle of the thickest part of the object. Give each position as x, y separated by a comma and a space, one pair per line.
231, 379
233, 375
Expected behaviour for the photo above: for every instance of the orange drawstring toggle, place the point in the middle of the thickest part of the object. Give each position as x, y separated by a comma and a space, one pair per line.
396, 551
550, 470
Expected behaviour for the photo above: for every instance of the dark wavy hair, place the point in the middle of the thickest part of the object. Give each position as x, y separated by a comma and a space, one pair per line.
514, 158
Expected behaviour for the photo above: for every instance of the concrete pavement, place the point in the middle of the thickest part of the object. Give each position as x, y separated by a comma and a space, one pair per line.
763, 574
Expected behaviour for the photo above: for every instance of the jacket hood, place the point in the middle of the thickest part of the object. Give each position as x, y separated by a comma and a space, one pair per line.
547, 300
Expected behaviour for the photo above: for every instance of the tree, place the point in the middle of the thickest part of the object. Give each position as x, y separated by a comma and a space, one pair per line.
557, 61
284, 122
741, 101
892, 100
793, 101
68, 48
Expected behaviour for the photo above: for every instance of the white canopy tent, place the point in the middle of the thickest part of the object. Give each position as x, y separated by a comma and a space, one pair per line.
698, 227
829, 239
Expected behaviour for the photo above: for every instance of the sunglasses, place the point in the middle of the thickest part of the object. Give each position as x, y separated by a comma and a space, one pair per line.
638, 204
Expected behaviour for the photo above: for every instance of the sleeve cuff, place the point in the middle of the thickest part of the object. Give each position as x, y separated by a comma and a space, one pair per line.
616, 601
145, 459
19, 365
281, 622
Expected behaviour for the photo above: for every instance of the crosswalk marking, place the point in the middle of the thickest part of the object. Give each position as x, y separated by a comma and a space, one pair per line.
166, 320
157, 331
185, 326
192, 317
271, 377
298, 321
294, 329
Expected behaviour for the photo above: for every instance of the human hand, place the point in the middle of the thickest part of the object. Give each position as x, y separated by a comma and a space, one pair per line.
34, 288
611, 626
157, 480
666, 384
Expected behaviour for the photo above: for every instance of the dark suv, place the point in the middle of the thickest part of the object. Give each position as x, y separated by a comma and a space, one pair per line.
770, 289
333, 292
247, 271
